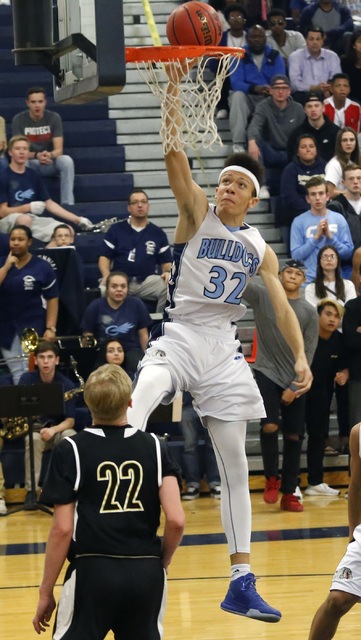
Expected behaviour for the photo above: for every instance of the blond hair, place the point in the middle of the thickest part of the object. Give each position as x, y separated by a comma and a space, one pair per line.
18, 138
107, 393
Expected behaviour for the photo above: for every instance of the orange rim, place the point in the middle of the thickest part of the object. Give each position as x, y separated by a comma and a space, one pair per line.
164, 54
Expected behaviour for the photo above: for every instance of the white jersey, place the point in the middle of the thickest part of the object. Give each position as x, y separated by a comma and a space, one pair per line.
210, 272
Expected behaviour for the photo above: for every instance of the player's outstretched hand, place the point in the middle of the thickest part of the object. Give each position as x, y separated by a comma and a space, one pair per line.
304, 376
46, 606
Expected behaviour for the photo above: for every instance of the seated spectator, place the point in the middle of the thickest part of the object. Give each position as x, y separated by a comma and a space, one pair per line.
63, 236
328, 282
283, 40
351, 64
28, 298
296, 7
317, 227
311, 68
234, 35
44, 130
111, 352
47, 430
250, 83
3, 159
138, 247
318, 125
119, 315
347, 151
273, 120
191, 427
339, 108
333, 17
350, 202
329, 367
23, 196
295, 176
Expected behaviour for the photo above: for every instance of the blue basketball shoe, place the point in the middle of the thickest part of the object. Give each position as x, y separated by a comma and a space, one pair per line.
243, 599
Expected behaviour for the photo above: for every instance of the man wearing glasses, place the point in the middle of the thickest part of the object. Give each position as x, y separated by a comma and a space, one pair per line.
273, 121
284, 41
137, 247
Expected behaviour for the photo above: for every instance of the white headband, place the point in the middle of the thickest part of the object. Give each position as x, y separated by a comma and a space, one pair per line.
235, 167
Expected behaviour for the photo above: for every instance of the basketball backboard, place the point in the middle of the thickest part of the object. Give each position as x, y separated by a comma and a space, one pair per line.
80, 41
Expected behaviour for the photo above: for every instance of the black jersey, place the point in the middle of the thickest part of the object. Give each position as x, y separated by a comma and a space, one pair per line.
113, 474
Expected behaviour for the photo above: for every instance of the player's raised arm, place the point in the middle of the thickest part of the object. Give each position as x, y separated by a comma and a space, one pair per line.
191, 199
286, 319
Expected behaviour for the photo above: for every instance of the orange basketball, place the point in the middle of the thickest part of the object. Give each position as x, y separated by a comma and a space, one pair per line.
194, 23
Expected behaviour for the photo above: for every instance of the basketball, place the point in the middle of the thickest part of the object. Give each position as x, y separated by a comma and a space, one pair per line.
194, 23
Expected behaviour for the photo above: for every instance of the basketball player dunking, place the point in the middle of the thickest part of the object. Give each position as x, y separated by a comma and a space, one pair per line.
215, 255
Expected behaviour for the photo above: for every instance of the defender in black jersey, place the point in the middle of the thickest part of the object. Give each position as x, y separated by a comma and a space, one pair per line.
107, 484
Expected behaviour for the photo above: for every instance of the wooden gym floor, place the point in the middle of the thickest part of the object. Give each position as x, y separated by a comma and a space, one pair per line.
294, 556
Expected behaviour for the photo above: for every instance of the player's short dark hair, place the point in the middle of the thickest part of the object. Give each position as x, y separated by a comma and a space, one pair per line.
339, 76
234, 6
246, 161
23, 227
136, 191
46, 345
115, 273
32, 90
315, 181
276, 12
315, 29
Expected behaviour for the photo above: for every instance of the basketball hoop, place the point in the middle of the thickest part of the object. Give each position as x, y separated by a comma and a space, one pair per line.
198, 98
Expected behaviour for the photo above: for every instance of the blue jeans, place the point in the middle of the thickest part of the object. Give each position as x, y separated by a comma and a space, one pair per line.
190, 427
62, 166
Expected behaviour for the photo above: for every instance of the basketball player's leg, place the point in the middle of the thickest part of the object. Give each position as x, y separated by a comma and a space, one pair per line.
228, 439
154, 383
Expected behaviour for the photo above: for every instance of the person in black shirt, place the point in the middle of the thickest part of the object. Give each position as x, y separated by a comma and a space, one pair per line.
329, 367
107, 484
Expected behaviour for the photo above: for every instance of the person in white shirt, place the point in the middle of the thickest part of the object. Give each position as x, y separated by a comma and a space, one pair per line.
328, 282
283, 40
346, 151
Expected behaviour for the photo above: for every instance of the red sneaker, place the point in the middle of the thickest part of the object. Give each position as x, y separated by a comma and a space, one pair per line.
290, 502
271, 491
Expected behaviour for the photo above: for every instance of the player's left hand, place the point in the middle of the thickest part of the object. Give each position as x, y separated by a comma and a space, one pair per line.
46, 606
304, 376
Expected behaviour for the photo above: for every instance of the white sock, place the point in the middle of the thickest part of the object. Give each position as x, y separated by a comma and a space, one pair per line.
238, 570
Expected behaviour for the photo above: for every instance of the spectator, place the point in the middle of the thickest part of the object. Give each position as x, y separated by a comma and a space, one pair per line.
339, 108
250, 83
3, 508
117, 559
317, 227
190, 426
273, 369
296, 7
47, 430
23, 196
345, 591
318, 125
295, 176
328, 282
329, 367
351, 329
351, 64
25, 282
333, 17
111, 351
137, 247
346, 151
234, 35
3, 160
119, 315
285, 41
311, 68
63, 236
350, 201
44, 130
273, 120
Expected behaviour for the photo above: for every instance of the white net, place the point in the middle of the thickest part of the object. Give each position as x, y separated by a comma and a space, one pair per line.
197, 98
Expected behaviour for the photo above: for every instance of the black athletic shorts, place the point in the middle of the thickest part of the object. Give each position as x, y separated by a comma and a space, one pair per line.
293, 415
102, 594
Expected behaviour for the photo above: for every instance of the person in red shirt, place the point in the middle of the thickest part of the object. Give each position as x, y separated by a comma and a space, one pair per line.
339, 108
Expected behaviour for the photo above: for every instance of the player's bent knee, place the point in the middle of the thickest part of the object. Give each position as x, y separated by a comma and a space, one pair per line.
340, 602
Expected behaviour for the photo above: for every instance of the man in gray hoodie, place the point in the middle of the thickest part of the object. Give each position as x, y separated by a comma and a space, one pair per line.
273, 120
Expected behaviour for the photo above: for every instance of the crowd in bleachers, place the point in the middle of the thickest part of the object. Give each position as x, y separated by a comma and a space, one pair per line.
294, 102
